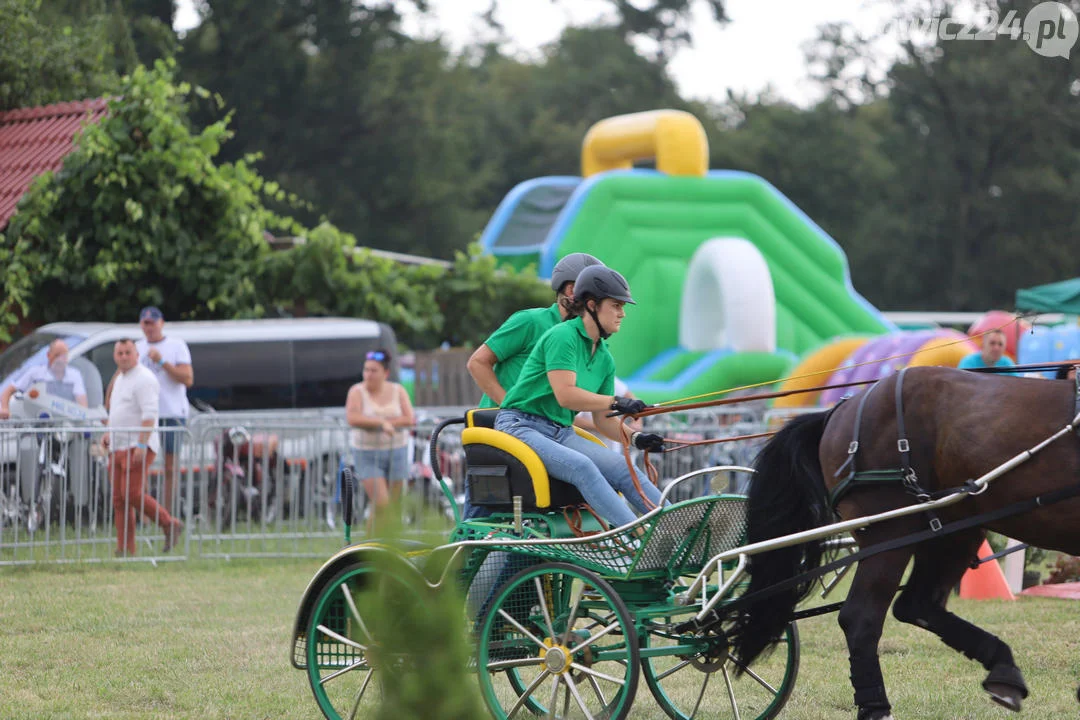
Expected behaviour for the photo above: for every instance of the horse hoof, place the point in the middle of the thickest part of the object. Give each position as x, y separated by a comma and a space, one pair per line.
1006, 696
1006, 686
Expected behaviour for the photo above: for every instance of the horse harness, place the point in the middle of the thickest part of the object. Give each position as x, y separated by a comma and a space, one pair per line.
905, 474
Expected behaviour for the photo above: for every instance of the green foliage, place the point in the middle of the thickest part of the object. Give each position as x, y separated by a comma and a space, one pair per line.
433, 640
139, 214
475, 297
326, 274
532, 116
47, 57
376, 126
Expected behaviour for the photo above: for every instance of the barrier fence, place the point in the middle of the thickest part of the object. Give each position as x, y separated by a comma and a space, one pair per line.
252, 485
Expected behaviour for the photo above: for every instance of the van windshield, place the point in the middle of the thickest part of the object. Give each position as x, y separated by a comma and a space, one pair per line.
28, 351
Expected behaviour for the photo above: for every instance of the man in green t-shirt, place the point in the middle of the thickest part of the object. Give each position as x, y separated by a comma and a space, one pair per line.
496, 364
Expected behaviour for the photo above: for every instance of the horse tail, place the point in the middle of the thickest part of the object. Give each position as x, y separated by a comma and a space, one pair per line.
787, 495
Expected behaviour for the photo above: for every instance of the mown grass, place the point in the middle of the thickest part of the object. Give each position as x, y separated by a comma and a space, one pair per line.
210, 639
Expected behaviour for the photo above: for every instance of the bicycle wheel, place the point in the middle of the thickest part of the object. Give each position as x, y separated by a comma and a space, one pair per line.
558, 641
698, 678
346, 650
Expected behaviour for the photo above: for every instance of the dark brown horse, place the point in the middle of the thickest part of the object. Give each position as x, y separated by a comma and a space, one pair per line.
959, 426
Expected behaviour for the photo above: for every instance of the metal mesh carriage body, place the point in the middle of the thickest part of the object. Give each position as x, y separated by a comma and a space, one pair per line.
676, 541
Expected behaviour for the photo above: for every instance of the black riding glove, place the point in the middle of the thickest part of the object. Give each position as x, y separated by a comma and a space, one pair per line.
627, 406
649, 442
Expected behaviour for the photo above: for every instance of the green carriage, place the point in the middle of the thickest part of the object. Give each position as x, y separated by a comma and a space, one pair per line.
566, 618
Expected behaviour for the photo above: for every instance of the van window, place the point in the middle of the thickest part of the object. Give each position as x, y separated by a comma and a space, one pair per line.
102, 357
324, 370
242, 375
29, 351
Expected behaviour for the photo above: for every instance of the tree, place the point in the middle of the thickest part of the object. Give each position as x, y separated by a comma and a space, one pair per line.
986, 144
47, 58
151, 28
362, 120
534, 115
139, 214
975, 145
663, 24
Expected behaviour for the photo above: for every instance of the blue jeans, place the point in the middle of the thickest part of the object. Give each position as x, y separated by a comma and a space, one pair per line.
599, 474
391, 465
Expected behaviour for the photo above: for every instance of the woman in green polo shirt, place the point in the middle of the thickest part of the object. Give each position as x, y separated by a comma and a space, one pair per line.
570, 370
496, 364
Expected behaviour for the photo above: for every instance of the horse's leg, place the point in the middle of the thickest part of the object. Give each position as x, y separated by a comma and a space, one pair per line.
938, 568
862, 617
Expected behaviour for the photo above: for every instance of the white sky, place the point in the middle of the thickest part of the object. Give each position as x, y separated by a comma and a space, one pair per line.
760, 47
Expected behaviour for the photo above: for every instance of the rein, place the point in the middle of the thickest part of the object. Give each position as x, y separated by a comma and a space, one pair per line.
1017, 508
651, 470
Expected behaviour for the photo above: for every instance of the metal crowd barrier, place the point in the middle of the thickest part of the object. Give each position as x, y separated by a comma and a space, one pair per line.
259, 484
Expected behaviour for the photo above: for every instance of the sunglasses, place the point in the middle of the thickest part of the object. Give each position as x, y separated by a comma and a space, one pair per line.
376, 355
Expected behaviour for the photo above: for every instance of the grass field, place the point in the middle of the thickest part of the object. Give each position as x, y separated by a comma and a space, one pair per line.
210, 639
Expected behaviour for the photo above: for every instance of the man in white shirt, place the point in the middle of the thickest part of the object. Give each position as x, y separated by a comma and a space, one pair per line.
60, 379
134, 404
170, 360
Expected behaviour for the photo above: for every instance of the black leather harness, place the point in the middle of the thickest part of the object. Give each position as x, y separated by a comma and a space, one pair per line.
905, 474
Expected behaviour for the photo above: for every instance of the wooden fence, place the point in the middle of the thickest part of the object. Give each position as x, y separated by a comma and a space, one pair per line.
442, 379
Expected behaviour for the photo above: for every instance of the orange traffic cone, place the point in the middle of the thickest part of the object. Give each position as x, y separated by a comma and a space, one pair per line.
986, 582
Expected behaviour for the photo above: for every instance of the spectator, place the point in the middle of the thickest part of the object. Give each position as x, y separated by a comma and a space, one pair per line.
496, 364
134, 403
59, 378
991, 355
380, 413
170, 360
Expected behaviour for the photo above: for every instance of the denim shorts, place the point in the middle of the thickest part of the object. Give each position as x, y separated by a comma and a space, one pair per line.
393, 465
170, 441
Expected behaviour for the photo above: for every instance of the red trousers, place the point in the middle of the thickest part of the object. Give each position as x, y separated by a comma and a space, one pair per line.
128, 482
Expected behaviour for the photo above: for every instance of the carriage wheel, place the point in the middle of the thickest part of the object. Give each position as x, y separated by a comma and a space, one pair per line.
559, 642
348, 649
704, 683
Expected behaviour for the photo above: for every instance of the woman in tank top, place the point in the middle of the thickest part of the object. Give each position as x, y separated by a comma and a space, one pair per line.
380, 413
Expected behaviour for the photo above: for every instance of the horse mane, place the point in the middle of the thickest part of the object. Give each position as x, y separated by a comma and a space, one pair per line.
787, 495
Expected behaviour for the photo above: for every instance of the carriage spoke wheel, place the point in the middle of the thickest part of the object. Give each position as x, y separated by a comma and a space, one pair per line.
349, 648
704, 682
558, 642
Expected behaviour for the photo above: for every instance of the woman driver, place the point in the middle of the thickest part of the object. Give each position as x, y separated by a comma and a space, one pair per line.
571, 370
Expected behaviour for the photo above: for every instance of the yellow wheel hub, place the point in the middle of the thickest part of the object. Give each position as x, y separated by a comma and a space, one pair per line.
557, 658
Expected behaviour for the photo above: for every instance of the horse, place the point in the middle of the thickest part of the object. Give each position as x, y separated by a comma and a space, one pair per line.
958, 425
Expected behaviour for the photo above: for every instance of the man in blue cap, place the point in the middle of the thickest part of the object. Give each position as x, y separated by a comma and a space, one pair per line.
170, 360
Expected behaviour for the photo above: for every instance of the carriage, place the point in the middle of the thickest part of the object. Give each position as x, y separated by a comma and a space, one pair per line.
564, 615
567, 617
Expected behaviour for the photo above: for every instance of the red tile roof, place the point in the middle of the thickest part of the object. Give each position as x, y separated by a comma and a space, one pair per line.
34, 140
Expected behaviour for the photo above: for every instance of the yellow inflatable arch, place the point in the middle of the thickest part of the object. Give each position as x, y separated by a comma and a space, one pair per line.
676, 139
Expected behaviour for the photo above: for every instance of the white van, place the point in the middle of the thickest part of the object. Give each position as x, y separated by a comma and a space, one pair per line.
238, 364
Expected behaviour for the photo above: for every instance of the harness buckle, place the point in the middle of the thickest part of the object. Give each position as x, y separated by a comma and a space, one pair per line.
853, 447
902, 445
911, 483
935, 523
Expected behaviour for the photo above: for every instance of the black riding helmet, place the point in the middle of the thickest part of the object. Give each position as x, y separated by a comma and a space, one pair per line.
568, 269
599, 282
